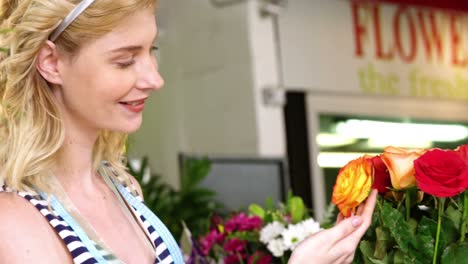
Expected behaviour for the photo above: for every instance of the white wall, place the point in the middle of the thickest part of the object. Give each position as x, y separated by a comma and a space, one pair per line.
211, 104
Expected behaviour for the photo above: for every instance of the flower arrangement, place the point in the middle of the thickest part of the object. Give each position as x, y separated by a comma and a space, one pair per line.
266, 235
422, 212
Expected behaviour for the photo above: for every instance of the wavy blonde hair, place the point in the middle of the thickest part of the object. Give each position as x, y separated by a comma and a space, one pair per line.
31, 127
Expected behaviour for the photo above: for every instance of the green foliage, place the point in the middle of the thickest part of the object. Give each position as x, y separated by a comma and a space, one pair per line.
293, 208
192, 204
455, 253
395, 237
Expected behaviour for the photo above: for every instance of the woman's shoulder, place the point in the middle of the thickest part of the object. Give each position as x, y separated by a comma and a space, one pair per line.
26, 234
16, 208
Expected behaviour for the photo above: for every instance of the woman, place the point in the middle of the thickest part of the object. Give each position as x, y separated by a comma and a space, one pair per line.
73, 85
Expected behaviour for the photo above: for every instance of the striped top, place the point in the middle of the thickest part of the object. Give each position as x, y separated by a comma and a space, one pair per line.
86, 251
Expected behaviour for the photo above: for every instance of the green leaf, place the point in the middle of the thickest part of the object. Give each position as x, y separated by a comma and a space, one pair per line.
269, 204
383, 242
413, 224
455, 253
194, 172
426, 236
249, 236
448, 234
367, 248
398, 227
401, 258
455, 215
297, 209
398, 258
257, 210
378, 261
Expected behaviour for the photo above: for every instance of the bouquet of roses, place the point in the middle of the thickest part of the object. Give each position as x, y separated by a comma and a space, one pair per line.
422, 213
266, 235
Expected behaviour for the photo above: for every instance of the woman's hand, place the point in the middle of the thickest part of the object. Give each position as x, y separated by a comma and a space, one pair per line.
336, 244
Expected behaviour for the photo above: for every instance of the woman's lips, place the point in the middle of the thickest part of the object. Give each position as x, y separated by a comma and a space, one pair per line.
134, 106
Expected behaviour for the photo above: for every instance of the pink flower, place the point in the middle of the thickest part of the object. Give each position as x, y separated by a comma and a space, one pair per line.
235, 245
215, 221
211, 238
234, 258
242, 222
251, 223
259, 258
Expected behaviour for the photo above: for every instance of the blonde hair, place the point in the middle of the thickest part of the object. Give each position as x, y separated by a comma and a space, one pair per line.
31, 127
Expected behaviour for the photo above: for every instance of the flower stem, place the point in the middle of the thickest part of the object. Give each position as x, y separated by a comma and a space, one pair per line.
439, 223
465, 217
379, 210
241, 260
407, 204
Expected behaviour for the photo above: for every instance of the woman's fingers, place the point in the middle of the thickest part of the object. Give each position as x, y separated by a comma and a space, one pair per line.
343, 229
369, 207
337, 244
366, 216
350, 242
339, 218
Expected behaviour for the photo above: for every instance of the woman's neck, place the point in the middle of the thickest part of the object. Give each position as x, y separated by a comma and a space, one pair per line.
74, 165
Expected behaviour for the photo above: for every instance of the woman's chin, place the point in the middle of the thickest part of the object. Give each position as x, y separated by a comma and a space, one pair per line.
129, 128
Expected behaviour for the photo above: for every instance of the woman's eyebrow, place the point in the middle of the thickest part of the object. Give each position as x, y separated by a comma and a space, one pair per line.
133, 48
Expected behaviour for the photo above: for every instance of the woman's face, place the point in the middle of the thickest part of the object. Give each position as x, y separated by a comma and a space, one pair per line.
106, 84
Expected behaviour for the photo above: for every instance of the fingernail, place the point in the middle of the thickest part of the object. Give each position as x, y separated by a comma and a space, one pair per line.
356, 221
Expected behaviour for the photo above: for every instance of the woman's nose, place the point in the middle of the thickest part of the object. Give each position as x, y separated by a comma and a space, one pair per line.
149, 76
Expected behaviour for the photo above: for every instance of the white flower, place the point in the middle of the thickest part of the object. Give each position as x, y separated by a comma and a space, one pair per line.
271, 231
310, 226
293, 235
277, 247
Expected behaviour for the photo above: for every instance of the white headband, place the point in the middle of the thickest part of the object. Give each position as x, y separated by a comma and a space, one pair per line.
79, 8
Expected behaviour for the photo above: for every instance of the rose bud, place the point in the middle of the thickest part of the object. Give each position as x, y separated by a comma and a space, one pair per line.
399, 162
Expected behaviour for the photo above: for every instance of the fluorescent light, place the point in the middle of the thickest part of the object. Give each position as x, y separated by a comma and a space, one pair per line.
403, 142
338, 159
429, 132
334, 140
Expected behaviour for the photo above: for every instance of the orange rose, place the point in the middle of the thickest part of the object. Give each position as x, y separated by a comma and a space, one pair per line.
353, 185
399, 162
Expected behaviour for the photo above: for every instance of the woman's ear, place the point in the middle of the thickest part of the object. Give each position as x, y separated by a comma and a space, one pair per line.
47, 62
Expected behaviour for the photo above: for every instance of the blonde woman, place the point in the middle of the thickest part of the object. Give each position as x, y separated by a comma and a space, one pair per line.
73, 84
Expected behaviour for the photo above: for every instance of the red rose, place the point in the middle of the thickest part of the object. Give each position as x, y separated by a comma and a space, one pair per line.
463, 152
381, 176
442, 173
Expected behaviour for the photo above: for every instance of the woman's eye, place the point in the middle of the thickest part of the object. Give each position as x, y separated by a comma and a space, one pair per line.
125, 64
154, 48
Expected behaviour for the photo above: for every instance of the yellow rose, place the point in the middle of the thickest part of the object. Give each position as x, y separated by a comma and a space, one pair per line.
353, 185
399, 162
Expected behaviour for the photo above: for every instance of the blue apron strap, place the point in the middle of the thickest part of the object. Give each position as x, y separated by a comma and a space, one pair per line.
158, 225
60, 210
